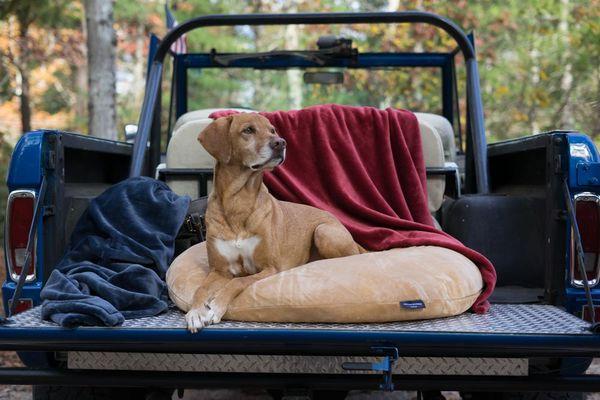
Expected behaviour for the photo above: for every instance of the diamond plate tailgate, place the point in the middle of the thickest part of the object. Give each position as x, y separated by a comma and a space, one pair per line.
286, 364
506, 331
502, 318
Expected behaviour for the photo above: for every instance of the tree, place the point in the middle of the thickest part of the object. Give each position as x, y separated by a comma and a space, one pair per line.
21, 52
101, 45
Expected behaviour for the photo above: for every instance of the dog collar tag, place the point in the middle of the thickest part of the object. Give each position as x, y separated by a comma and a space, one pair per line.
238, 243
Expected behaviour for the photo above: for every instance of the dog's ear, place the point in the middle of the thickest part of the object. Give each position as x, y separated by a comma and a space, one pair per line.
215, 139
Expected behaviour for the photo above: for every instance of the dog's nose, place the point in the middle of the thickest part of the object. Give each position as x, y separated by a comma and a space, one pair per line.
277, 143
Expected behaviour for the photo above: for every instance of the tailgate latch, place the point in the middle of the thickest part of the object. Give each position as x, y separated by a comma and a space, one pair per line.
386, 365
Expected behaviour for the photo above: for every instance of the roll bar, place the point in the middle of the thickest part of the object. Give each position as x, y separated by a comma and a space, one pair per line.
474, 103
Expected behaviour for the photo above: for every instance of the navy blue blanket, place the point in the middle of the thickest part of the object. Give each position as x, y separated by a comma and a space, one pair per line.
120, 250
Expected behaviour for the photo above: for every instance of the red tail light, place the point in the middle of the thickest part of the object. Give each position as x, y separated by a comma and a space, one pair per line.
22, 305
587, 211
19, 215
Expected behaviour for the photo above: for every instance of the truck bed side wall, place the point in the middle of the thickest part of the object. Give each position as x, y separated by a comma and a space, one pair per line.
77, 169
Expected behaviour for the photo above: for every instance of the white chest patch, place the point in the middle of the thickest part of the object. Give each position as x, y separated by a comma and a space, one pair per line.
233, 250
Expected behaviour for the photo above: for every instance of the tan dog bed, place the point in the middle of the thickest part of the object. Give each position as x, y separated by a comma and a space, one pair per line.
394, 285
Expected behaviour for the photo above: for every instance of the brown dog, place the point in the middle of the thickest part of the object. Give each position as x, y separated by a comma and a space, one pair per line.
250, 234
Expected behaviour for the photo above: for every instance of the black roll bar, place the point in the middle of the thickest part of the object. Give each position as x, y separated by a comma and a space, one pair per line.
474, 104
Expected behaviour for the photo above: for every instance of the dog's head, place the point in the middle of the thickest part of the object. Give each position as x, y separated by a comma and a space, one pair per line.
246, 139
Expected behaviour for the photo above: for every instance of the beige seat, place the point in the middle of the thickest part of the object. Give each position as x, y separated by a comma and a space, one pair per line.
444, 129
184, 151
433, 154
202, 114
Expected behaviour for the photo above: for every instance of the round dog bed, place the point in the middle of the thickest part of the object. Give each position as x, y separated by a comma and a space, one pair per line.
394, 285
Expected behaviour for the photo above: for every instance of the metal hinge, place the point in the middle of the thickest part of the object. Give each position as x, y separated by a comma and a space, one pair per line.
386, 365
51, 160
558, 164
49, 211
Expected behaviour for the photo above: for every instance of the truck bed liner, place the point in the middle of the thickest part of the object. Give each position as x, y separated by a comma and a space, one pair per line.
507, 330
502, 318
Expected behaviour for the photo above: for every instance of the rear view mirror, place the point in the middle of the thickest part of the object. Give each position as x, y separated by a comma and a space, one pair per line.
324, 78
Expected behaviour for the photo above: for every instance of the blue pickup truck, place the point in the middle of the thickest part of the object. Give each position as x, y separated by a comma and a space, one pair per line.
531, 205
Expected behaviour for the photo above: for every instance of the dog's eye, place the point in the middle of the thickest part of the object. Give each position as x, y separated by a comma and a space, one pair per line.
248, 130
272, 130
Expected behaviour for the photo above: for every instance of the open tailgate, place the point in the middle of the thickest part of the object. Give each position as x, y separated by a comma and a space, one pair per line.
499, 343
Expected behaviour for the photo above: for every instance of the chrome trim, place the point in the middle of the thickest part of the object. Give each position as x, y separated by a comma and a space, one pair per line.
12, 195
583, 196
580, 150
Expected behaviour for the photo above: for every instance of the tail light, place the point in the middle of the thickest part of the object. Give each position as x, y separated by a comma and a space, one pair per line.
22, 305
587, 212
19, 216
586, 315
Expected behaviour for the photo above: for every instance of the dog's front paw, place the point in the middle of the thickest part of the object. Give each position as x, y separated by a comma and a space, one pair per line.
218, 308
198, 318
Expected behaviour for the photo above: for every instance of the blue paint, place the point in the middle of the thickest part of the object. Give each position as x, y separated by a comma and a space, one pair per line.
323, 341
583, 176
577, 143
154, 43
362, 60
30, 291
25, 169
25, 172
588, 173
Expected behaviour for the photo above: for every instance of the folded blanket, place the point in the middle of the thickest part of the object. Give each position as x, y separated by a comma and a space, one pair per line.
365, 166
119, 253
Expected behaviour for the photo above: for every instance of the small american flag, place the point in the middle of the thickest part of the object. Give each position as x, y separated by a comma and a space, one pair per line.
180, 45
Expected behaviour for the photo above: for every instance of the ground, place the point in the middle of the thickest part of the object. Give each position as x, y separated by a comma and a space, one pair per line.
10, 359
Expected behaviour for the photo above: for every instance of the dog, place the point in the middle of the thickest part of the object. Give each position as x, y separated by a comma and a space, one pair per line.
250, 234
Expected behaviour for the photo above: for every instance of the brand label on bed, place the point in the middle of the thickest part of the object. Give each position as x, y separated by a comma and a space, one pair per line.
412, 304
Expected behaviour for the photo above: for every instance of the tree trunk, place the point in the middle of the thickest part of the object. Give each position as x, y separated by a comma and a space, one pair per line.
101, 44
566, 82
81, 79
139, 68
294, 76
21, 63
25, 104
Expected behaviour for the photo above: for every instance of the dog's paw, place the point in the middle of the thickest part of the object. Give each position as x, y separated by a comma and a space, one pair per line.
198, 318
218, 308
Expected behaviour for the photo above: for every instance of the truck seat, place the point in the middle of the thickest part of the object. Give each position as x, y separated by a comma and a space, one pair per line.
184, 151
444, 129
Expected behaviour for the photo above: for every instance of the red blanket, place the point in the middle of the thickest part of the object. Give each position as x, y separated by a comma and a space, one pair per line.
365, 166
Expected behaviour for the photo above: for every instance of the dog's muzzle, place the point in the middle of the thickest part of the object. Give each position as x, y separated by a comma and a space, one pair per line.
277, 146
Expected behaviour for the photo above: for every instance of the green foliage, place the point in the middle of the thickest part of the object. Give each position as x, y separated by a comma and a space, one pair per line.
53, 101
45, 13
6, 92
539, 62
